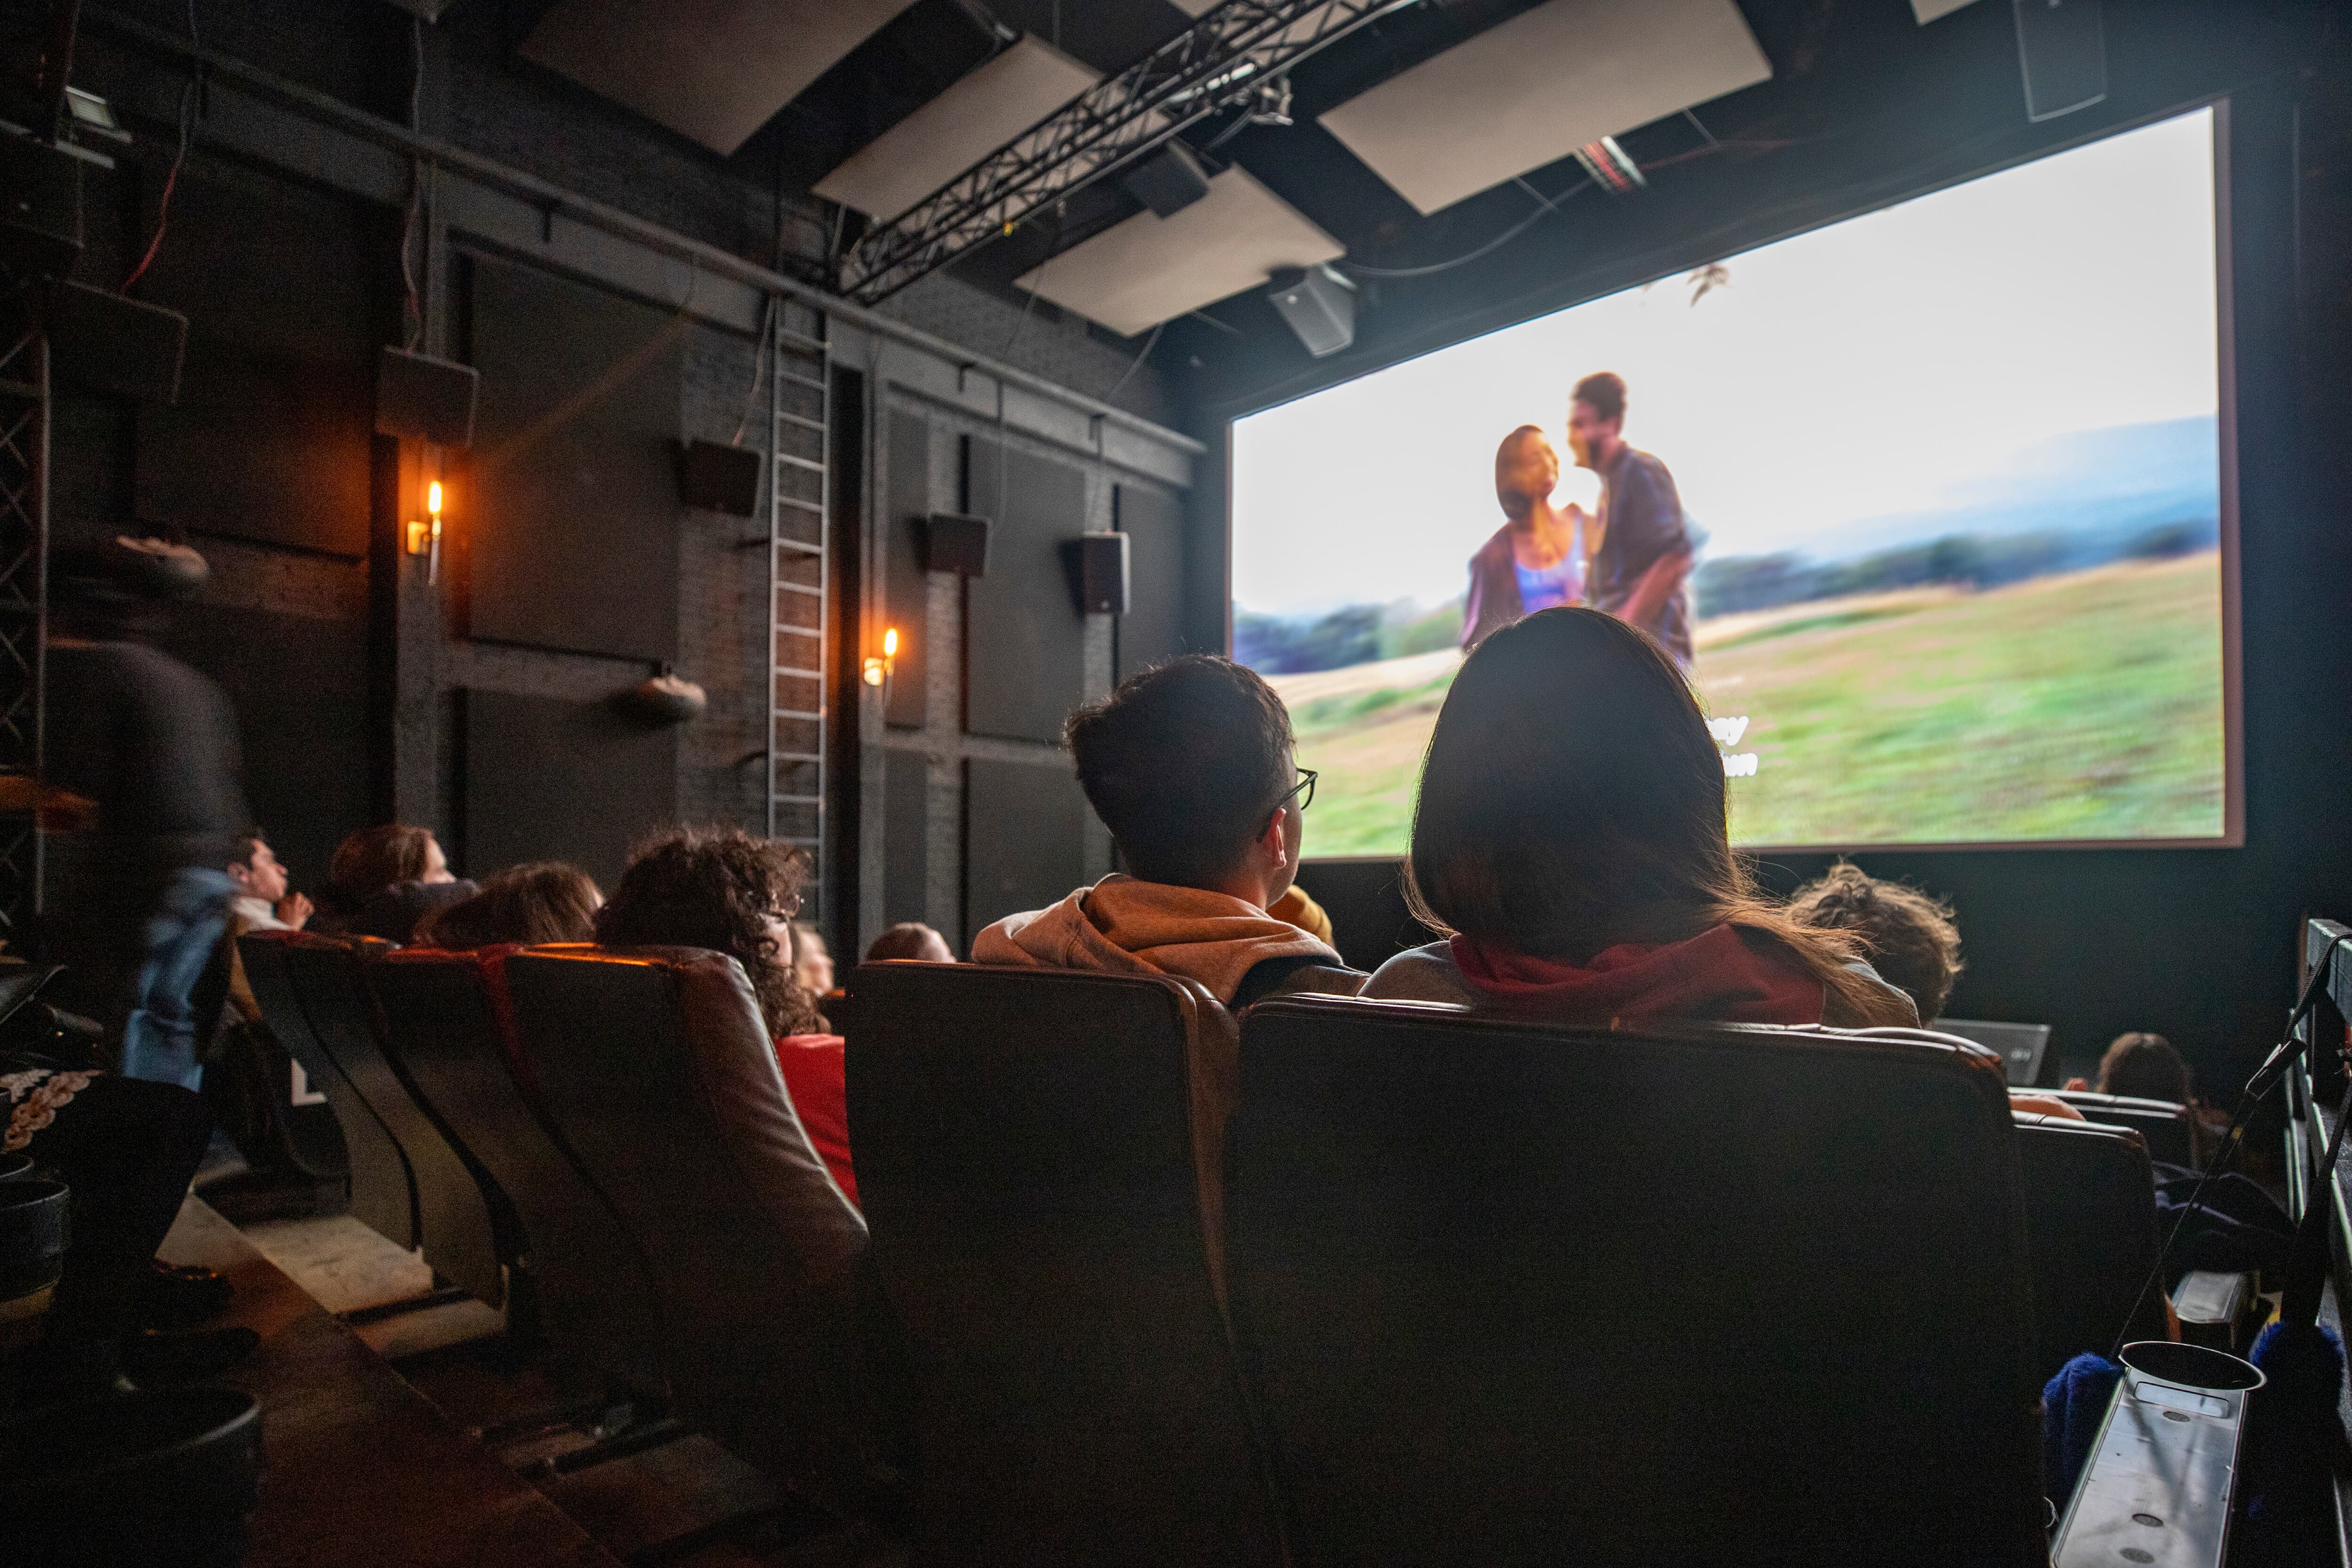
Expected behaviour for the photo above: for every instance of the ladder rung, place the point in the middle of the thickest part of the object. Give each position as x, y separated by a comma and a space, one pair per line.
802, 421
813, 467
809, 843
802, 588
789, 336
798, 713
815, 506
800, 674
803, 631
802, 546
814, 800
798, 757
817, 382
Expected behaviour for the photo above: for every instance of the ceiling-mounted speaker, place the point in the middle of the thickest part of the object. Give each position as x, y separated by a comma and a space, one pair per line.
1167, 182
1319, 304
421, 398
40, 213
1099, 573
720, 478
953, 543
99, 340
2062, 50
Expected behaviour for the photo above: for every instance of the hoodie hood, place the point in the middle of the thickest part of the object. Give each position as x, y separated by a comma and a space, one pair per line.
1721, 975
1123, 926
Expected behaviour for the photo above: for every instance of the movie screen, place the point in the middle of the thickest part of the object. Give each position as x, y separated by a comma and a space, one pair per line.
1929, 502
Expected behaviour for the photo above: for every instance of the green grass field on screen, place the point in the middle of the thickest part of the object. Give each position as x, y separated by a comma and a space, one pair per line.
2087, 705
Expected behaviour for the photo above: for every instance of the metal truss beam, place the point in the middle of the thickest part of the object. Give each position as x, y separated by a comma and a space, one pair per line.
24, 577
1222, 57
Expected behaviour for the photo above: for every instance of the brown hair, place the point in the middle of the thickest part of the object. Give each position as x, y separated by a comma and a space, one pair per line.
1603, 392
373, 858
718, 888
541, 902
1908, 935
906, 939
1184, 763
1571, 799
2144, 1066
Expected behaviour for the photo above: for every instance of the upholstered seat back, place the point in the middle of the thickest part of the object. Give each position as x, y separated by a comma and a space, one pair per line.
1026, 1144
384, 1193
2090, 1219
1514, 1293
654, 1068
592, 1288
2167, 1129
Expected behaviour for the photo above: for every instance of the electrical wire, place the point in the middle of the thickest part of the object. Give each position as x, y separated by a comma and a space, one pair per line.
1137, 364
171, 181
1544, 209
761, 352
411, 312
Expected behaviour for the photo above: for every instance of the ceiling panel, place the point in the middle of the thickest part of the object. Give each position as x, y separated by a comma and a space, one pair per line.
1148, 269
1537, 87
715, 70
980, 113
1928, 10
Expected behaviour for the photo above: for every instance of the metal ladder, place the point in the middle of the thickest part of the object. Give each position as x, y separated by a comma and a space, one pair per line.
800, 401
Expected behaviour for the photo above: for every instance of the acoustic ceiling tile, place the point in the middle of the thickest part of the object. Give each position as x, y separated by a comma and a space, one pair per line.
714, 71
982, 110
1534, 90
1149, 269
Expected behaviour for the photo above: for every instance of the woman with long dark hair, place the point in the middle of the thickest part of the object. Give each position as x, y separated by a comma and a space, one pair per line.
1572, 843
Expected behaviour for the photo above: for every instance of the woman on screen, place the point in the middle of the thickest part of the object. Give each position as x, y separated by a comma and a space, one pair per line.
1532, 562
1572, 841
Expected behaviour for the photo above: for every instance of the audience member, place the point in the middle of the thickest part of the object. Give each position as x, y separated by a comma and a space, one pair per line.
1908, 936
727, 892
1571, 842
540, 901
384, 881
2144, 1065
262, 901
811, 960
910, 939
141, 788
1189, 764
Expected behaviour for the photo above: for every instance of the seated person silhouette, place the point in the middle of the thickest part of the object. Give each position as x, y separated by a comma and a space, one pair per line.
1189, 764
1571, 843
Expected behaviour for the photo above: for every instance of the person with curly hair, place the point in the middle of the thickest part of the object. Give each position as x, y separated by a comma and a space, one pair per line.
1909, 936
724, 890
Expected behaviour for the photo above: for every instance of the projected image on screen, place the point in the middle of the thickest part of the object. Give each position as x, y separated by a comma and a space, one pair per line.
1951, 477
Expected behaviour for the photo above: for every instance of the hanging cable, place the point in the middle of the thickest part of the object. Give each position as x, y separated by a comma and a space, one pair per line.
1545, 209
1150, 344
188, 99
761, 352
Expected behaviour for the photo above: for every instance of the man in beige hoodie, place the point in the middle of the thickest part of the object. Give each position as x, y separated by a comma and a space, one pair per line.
1189, 764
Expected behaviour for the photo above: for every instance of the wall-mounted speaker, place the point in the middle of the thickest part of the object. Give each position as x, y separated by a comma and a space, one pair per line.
2062, 50
421, 398
40, 213
1320, 305
720, 478
1099, 573
953, 543
128, 347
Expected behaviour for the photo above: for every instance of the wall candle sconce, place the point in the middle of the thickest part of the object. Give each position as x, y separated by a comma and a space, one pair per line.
877, 671
425, 537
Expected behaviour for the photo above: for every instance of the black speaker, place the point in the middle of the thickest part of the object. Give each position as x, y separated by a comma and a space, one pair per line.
420, 398
953, 543
40, 212
720, 478
1167, 182
1320, 305
2062, 50
1100, 574
128, 347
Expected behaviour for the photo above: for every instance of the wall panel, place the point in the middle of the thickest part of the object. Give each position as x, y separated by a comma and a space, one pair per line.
544, 778
1025, 641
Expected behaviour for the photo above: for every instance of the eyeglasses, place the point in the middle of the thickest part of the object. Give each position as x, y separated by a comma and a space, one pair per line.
1307, 778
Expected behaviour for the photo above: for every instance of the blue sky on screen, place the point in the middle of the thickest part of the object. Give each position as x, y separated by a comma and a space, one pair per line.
1896, 366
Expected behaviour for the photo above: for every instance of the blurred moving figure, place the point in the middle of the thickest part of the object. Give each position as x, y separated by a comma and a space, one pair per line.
142, 784
385, 880
910, 939
536, 902
262, 901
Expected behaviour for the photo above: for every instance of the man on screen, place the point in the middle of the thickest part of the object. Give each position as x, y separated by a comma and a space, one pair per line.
1532, 562
1637, 549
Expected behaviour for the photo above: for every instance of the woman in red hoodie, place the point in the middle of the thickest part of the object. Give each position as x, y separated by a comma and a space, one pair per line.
1572, 841
723, 889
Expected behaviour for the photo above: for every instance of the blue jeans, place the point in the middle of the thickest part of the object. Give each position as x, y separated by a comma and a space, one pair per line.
159, 1038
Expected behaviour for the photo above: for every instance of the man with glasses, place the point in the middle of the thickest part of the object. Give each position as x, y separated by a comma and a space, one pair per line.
1189, 764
